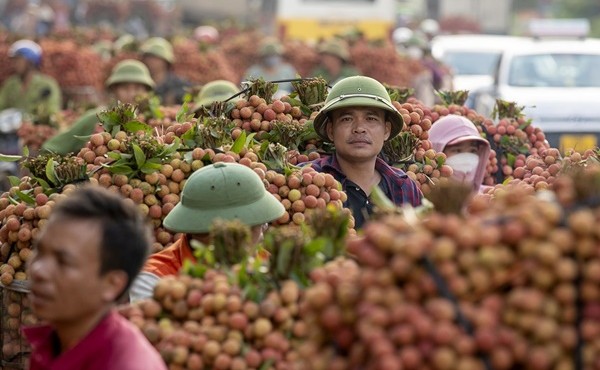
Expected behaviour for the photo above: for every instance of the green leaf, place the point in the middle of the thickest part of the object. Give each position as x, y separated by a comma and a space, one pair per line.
25, 197
183, 114
139, 155
149, 167
14, 180
83, 138
25, 151
135, 126
114, 155
239, 143
9, 158
510, 158
249, 139
50, 172
190, 134
120, 169
440, 161
42, 183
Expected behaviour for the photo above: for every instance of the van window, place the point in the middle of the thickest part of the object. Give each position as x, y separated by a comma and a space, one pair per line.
555, 70
472, 63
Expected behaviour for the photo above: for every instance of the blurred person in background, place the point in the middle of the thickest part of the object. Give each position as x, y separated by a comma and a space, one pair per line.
214, 91
358, 117
225, 191
272, 66
334, 61
466, 151
87, 256
206, 36
129, 80
158, 56
28, 89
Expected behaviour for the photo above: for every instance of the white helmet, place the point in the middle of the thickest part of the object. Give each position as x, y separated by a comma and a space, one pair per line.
206, 33
430, 26
28, 50
401, 35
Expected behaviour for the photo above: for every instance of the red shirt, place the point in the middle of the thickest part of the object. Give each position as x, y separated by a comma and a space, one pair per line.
170, 260
114, 344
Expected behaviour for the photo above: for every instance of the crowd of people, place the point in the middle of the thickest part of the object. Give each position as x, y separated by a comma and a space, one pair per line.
94, 249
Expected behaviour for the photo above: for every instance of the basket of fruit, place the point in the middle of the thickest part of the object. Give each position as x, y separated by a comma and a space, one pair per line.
14, 313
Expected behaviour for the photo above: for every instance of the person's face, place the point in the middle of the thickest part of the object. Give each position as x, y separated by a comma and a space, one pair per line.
155, 64
66, 284
20, 65
331, 62
469, 146
128, 91
358, 133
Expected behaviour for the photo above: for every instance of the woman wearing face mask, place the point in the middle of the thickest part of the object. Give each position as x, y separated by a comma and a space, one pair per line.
466, 151
272, 66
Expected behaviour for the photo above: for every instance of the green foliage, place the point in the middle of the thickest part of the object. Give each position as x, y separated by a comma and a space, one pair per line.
262, 88
292, 135
311, 93
458, 97
143, 154
400, 148
53, 171
211, 132
114, 119
399, 94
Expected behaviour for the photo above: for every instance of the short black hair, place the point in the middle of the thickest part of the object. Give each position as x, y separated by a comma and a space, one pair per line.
126, 234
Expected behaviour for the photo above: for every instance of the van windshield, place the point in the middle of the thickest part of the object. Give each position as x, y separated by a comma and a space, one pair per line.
472, 63
555, 70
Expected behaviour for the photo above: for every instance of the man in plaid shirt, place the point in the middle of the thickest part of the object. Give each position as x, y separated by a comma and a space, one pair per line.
358, 117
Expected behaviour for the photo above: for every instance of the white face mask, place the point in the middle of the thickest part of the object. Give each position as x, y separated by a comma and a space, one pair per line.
464, 166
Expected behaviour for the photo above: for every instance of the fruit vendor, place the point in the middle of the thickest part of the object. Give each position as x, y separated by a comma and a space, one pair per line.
28, 89
358, 116
272, 66
158, 56
86, 257
214, 91
220, 191
466, 151
334, 58
129, 79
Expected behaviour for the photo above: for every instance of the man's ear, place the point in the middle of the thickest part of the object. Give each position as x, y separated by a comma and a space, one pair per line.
115, 282
388, 129
329, 128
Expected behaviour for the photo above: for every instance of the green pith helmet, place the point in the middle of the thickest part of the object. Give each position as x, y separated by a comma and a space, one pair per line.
358, 91
223, 190
270, 46
336, 47
126, 42
218, 90
158, 47
130, 70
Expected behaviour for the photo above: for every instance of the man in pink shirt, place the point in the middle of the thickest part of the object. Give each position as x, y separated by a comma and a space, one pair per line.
87, 255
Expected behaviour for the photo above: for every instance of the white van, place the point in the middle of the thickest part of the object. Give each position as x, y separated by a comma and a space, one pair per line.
558, 83
472, 57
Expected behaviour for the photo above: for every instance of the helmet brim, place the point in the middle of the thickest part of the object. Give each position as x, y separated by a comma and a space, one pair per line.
395, 118
116, 79
183, 219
